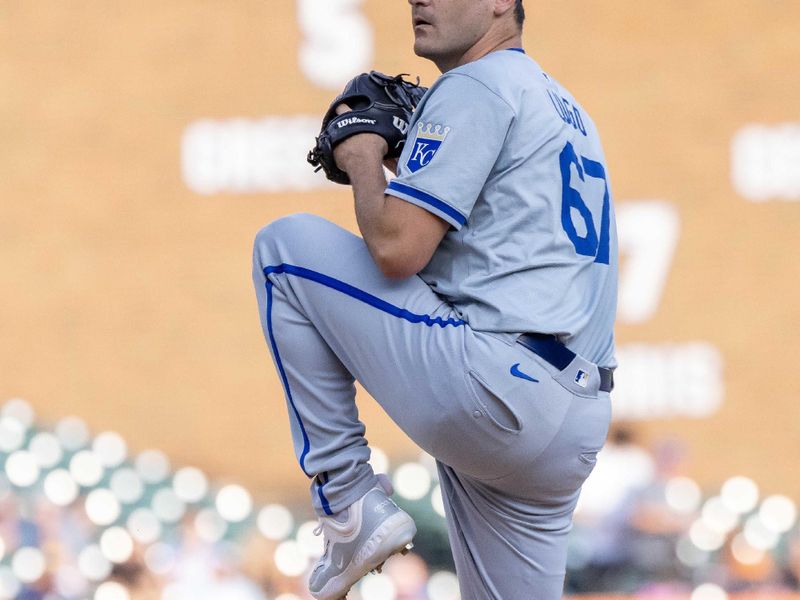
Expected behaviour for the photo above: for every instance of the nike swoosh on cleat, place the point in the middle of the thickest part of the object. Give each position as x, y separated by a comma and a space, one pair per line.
517, 373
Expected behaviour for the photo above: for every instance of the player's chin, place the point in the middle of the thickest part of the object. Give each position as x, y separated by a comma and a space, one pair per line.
423, 46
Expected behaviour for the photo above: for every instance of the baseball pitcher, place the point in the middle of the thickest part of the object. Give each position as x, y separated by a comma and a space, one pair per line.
477, 306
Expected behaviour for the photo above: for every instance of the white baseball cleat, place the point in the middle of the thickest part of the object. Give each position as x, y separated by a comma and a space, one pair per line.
373, 529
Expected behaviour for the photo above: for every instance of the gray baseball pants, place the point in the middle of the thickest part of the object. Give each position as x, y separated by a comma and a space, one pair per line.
512, 448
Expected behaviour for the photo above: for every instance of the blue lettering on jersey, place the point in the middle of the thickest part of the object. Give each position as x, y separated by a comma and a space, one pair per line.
588, 244
568, 112
429, 139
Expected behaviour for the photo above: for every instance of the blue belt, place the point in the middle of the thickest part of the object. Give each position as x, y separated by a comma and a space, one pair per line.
558, 355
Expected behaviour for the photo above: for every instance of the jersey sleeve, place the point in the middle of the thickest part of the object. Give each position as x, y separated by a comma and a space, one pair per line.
451, 148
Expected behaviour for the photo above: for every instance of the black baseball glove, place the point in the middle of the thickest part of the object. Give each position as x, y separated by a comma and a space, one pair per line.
380, 104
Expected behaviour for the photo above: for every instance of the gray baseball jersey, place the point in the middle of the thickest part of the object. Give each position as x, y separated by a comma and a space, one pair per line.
503, 153
511, 161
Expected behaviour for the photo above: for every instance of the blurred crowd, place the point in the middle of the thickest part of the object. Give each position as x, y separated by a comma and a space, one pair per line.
643, 527
80, 519
56, 552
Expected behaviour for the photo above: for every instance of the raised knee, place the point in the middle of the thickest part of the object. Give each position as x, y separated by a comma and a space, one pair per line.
287, 227
274, 241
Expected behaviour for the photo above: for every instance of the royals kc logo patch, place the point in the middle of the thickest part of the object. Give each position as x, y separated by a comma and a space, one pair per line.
427, 143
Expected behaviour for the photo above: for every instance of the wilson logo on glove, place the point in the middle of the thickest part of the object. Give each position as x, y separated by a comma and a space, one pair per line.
401, 125
355, 121
380, 104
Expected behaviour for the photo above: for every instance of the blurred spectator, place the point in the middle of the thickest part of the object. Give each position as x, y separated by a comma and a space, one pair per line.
410, 576
603, 558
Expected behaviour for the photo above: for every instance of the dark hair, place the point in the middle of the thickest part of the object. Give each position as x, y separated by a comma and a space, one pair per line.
519, 13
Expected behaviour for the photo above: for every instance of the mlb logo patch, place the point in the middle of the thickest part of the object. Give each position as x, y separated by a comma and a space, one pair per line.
582, 378
427, 143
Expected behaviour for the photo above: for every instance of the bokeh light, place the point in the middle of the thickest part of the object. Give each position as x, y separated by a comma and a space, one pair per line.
739, 494
60, 488
10, 586
20, 410
683, 495
234, 503
160, 558
313, 545
152, 466
704, 537
437, 500
46, 449
190, 484
210, 526
379, 460
717, 516
290, 558
110, 448
412, 481
22, 469
69, 582
92, 564
443, 585
126, 485
111, 590
116, 544
167, 506
778, 513
102, 507
72, 433
86, 469
429, 462
28, 564
759, 535
12, 434
377, 587
144, 526
275, 522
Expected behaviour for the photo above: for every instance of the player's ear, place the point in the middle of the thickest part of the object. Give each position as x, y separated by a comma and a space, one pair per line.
501, 7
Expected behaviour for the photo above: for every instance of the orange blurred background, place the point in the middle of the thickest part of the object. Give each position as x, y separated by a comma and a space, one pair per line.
144, 144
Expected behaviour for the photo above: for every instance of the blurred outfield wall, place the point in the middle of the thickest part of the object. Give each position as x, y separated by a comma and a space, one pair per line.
143, 145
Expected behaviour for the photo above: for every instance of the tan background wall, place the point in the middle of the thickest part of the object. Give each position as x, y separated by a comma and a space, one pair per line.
127, 298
